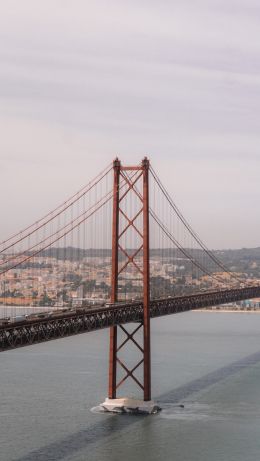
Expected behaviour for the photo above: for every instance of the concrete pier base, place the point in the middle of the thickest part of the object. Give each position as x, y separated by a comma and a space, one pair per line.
128, 405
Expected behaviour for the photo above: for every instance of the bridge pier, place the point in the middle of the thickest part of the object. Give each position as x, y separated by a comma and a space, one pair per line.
128, 405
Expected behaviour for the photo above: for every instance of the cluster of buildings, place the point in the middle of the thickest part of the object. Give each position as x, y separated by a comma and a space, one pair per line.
50, 281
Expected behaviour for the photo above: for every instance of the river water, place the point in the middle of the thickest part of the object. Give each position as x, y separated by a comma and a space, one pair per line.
209, 362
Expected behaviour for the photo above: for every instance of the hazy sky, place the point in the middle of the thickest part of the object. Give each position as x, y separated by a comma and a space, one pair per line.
83, 81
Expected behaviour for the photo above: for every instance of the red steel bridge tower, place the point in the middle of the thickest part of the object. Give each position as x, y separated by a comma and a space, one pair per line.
131, 180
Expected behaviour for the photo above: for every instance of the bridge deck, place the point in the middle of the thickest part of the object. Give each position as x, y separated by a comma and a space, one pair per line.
60, 325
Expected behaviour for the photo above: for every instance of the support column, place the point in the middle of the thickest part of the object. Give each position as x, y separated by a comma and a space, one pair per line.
146, 283
114, 281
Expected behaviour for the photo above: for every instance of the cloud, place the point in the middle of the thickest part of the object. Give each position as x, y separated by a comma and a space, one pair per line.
177, 81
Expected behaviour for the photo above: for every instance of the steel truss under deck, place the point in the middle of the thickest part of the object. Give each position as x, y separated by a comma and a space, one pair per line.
41, 330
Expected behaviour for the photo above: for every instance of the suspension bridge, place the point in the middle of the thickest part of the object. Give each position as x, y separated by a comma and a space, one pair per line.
117, 252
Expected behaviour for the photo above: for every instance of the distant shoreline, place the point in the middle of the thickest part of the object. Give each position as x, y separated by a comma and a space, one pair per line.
228, 311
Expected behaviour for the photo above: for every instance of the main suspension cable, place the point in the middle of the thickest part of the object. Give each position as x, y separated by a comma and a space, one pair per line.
178, 245
63, 207
190, 230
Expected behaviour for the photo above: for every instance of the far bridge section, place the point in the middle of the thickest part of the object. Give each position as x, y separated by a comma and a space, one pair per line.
59, 325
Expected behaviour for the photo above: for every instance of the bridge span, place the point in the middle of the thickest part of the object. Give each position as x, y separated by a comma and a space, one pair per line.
60, 325
119, 237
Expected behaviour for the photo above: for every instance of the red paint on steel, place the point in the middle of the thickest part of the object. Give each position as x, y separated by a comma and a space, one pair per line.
119, 175
114, 281
146, 282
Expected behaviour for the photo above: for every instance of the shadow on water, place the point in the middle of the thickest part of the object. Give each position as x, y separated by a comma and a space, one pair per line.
56, 451
111, 424
182, 392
